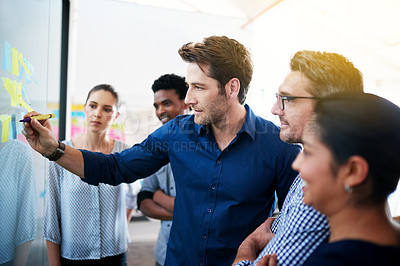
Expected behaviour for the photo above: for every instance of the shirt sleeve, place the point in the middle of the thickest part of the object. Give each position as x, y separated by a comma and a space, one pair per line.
134, 163
149, 186
294, 241
244, 263
132, 189
275, 223
151, 183
131, 194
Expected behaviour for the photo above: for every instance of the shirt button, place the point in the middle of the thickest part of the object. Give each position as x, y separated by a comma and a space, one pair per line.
218, 161
203, 236
209, 210
213, 187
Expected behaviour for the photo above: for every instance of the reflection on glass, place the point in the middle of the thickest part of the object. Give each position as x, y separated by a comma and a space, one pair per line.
17, 202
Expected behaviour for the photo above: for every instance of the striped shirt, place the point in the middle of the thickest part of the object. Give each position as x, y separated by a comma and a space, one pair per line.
299, 230
89, 222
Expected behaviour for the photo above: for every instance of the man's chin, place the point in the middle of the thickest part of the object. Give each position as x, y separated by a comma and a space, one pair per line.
199, 121
289, 138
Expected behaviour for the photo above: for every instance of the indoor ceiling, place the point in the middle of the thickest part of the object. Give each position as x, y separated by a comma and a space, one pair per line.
367, 31
246, 9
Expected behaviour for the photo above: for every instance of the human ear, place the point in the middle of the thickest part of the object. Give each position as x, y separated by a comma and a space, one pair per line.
233, 88
116, 116
355, 171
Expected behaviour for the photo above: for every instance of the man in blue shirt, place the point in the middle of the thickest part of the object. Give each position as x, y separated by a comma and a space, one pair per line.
299, 228
157, 195
227, 162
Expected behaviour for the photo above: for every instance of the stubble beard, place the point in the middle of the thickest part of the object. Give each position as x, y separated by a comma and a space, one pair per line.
290, 138
214, 116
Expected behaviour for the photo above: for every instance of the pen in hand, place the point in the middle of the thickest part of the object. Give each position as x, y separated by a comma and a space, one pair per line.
37, 117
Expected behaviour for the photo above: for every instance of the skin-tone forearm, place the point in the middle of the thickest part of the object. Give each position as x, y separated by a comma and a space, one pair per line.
255, 242
129, 213
53, 252
164, 200
151, 209
72, 161
246, 251
42, 139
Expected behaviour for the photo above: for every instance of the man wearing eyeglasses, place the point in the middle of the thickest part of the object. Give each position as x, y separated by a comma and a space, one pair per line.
227, 162
299, 229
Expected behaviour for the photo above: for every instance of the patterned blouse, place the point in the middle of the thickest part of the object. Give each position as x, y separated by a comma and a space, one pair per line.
89, 222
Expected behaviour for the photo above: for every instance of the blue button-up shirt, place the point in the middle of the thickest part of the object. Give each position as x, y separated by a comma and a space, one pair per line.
221, 196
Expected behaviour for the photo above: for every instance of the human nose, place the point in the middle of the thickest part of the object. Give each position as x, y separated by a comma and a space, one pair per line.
160, 110
297, 162
276, 110
97, 112
189, 99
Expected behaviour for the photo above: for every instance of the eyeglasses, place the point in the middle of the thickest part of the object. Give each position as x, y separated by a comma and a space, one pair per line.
280, 99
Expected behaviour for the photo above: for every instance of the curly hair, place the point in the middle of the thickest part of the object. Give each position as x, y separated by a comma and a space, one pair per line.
171, 82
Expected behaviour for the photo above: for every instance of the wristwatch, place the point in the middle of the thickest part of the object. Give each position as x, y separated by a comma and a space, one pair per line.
58, 153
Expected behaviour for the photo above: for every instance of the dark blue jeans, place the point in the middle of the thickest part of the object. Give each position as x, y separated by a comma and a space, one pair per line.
118, 260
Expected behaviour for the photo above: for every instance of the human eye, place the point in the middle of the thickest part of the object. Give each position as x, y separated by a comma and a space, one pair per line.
167, 103
93, 106
288, 98
108, 109
198, 88
307, 151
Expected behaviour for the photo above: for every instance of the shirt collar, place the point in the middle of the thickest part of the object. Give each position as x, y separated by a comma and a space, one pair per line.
249, 125
201, 129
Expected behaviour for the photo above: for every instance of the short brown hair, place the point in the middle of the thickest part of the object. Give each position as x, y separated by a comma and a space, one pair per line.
226, 58
328, 73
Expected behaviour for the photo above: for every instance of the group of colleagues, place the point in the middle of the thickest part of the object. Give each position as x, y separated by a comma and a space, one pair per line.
218, 170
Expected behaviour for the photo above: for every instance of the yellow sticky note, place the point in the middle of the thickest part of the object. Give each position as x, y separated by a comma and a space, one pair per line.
14, 89
21, 60
11, 89
27, 106
15, 67
20, 100
5, 125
